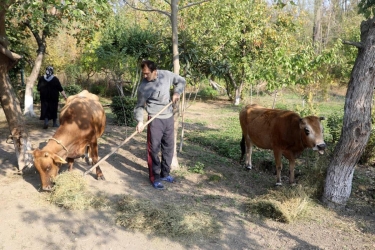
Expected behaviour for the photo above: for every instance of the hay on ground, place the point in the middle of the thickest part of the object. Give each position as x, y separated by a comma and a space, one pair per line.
70, 192
284, 205
165, 219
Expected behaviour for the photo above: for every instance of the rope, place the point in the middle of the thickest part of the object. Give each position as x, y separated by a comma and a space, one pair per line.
58, 142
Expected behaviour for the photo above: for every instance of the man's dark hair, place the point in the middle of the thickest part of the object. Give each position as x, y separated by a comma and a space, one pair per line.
150, 64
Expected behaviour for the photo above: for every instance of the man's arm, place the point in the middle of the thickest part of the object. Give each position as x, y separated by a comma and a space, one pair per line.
139, 109
179, 85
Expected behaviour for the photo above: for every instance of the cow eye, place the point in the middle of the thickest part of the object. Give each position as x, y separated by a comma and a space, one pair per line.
307, 131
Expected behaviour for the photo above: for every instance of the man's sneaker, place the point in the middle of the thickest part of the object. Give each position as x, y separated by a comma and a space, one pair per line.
158, 185
168, 179
45, 126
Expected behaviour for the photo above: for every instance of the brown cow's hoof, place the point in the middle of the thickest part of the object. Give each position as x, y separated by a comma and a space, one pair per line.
46, 189
279, 184
100, 178
249, 167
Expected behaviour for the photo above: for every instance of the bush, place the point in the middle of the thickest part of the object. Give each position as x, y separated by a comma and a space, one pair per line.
369, 153
72, 89
36, 96
97, 89
334, 124
208, 93
123, 109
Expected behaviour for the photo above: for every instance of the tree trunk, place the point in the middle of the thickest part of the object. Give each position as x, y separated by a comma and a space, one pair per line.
356, 122
29, 102
9, 101
317, 33
176, 70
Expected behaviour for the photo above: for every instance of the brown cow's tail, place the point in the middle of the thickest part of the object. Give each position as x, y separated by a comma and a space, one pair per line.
243, 147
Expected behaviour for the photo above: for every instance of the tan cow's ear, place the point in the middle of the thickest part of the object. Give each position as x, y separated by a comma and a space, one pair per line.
58, 159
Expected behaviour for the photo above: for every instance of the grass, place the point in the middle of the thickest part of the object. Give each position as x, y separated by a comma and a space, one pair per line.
70, 192
223, 135
166, 219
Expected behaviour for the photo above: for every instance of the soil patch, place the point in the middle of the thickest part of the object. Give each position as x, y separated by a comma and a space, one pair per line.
28, 221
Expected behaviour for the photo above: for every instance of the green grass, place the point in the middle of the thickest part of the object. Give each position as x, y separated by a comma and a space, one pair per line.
224, 135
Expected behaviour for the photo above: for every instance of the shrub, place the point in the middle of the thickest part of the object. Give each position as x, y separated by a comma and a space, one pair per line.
208, 93
369, 153
36, 96
334, 124
123, 109
98, 89
72, 89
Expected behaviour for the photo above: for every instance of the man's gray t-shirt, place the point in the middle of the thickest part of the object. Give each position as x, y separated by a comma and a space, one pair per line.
154, 95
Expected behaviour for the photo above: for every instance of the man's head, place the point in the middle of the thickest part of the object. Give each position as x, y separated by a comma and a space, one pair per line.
49, 71
149, 70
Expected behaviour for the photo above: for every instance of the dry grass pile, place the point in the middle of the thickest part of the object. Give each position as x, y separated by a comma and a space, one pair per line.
70, 192
166, 219
284, 205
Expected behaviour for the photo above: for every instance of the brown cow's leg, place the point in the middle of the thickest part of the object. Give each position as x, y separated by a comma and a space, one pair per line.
95, 159
279, 167
292, 163
99, 174
87, 155
249, 151
70, 163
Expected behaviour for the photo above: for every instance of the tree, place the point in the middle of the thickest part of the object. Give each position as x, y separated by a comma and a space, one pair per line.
45, 19
174, 8
9, 101
356, 122
122, 46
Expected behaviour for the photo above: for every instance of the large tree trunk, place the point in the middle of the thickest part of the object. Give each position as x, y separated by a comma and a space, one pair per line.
317, 29
176, 70
356, 123
9, 101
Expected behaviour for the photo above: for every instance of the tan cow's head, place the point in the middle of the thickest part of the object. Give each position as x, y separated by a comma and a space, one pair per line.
48, 165
312, 133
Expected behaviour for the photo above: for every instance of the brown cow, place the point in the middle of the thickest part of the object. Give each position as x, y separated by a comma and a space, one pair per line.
82, 122
282, 131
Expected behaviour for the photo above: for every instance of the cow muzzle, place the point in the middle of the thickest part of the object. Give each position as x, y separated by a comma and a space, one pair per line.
321, 148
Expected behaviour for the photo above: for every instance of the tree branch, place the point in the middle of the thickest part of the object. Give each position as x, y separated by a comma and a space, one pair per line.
12, 56
359, 45
149, 9
192, 4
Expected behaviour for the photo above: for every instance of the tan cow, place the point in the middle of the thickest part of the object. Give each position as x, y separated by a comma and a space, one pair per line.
282, 131
82, 122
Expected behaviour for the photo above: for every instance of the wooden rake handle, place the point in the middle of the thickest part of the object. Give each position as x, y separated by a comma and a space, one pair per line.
127, 139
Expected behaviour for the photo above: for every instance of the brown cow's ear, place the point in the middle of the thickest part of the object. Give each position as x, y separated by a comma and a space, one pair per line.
58, 159
322, 118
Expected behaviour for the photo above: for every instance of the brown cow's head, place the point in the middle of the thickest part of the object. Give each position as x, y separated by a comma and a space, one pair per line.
48, 165
312, 133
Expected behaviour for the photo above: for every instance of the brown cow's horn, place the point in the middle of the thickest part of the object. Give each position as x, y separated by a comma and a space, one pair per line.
45, 154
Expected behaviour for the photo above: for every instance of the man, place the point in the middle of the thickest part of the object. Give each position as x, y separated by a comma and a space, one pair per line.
153, 95
49, 87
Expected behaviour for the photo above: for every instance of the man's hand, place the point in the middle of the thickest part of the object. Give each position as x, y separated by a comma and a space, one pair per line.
139, 127
175, 98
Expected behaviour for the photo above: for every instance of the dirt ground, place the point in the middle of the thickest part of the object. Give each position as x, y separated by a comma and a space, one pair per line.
28, 221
